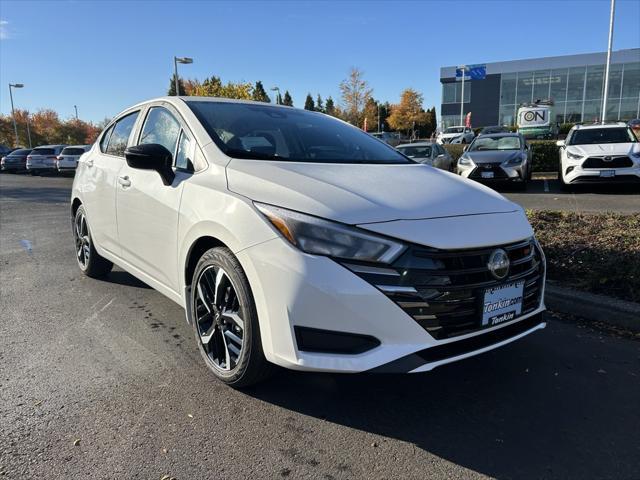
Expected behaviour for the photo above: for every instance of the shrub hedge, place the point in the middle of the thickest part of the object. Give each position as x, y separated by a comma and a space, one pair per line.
545, 154
599, 253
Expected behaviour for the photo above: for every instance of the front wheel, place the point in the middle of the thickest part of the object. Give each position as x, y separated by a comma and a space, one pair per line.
225, 321
89, 260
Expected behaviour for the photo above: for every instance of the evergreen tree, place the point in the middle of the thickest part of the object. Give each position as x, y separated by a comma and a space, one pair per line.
287, 100
319, 105
330, 108
259, 93
308, 103
172, 87
434, 118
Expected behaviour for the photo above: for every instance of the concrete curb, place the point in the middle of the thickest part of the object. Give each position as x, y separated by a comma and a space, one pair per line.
593, 307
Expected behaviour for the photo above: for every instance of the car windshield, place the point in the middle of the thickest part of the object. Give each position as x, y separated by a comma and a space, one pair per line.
264, 132
42, 151
495, 143
454, 130
423, 151
593, 136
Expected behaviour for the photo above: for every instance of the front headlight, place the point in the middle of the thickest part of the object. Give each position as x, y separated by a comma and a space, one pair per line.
573, 156
323, 237
517, 160
465, 161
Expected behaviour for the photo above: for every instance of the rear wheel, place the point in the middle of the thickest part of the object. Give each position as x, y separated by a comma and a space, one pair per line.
225, 321
89, 260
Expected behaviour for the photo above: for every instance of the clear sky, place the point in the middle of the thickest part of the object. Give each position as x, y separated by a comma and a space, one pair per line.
106, 55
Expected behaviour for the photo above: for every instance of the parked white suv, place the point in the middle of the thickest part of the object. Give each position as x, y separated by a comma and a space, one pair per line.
296, 239
456, 135
67, 161
599, 153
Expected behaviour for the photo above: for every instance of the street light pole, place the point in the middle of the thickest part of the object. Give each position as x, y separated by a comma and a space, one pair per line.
464, 69
608, 68
378, 117
276, 89
13, 113
176, 61
29, 131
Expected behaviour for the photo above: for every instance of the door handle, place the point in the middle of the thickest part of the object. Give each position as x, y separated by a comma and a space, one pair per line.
124, 181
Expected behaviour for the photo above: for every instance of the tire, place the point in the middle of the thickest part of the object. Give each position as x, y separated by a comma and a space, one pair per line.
89, 260
226, 323
563, 185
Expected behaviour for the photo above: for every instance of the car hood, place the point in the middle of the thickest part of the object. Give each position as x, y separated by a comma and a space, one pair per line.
361, 194
493, 156
605, 149
450, 135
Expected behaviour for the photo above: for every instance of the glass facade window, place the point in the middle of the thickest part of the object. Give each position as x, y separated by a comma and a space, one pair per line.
541, 85
508, 88
575, 84
576, 92
558, 85
451, 92
524, 89
595, 82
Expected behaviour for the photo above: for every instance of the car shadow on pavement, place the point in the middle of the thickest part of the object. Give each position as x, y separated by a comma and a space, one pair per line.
516, 412
125, 279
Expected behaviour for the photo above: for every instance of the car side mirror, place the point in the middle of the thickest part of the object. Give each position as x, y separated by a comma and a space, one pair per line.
151, 156
560, 143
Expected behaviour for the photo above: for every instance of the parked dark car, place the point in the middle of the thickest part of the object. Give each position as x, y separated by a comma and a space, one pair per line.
494, 129
497, 158
15, 161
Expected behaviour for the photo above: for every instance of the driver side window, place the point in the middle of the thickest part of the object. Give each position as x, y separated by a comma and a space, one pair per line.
161, 127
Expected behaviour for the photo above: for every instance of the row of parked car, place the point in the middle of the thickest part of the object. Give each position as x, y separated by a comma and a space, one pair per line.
591, 153
46, 158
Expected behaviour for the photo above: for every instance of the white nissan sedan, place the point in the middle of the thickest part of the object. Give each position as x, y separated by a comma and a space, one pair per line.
292, 238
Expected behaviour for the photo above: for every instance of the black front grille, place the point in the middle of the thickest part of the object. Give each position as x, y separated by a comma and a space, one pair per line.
444, 290
497, 170
608, 162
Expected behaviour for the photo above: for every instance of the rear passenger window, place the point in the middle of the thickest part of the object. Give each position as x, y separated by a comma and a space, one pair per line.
161, 127
105, 139
120, 135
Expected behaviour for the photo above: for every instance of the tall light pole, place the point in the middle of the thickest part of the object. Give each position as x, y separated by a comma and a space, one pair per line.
176, 61
378, 117
276, 89
606, 73
13, 113
29, 131
464, 69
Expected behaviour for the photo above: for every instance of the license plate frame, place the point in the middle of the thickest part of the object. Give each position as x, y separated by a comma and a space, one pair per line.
502, 303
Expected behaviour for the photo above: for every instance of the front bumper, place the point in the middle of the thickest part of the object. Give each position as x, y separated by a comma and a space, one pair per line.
493, 172
576, 174
293, 289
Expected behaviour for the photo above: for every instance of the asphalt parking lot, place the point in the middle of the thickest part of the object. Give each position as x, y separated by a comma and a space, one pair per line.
102, 380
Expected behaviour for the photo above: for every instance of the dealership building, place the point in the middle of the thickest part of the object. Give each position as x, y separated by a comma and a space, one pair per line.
573, 83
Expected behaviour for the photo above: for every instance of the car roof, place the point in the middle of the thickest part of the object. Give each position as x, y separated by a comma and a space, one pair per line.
590, 126
49, 146
76, 146
502, 134
416, 144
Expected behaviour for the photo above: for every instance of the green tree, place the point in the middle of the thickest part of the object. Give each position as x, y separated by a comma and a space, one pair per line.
287, 100
213, 87
319, 104
434, 119
355, 93
330, 108
370, 114
309, 103
172, 86
259, 94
